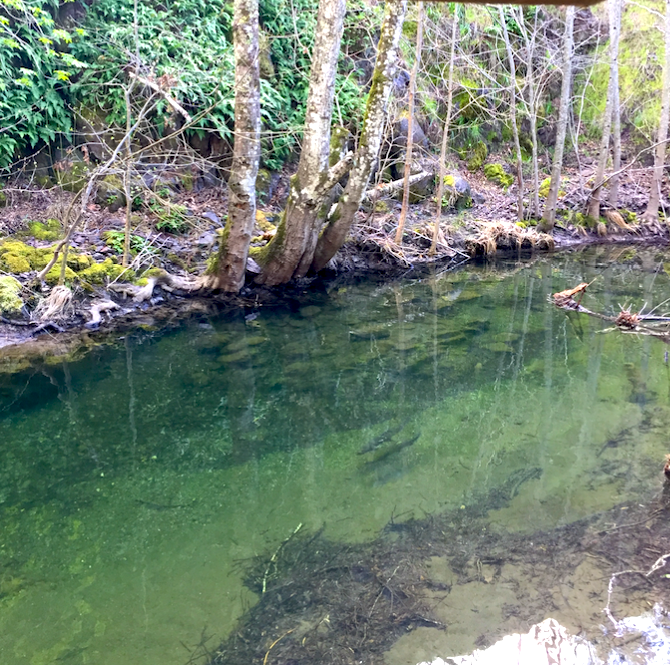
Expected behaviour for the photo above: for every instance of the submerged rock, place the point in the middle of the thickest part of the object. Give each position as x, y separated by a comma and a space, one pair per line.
546, 643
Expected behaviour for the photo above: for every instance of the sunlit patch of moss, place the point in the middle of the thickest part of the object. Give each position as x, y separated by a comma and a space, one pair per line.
100, 273
53, 276
51, 230
496, 173
544, 187
9, 295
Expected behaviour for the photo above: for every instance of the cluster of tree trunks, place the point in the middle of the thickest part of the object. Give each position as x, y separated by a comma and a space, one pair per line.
313, 225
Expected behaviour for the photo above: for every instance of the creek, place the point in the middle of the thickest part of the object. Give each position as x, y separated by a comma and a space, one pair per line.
137, 483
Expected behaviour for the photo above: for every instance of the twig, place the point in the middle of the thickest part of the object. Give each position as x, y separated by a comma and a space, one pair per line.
267, 653
273, 560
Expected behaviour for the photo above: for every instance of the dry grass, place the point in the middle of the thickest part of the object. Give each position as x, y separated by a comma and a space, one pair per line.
56, 306
502, 235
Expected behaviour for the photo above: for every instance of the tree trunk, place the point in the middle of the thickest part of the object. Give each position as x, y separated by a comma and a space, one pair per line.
512, 106
593, 209
341, 219
445, 136
290, 253
232, 259
549, 217
616, 117
532, 105
651, 213
410, 123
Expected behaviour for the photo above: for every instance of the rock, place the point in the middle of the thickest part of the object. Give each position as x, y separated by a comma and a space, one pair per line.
206, 240
253, 267
457, 192
478, 198
422, 189
212, 217
546, 643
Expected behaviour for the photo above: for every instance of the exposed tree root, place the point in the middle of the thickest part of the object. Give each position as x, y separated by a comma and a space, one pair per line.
167, 281
56, 306
96, 312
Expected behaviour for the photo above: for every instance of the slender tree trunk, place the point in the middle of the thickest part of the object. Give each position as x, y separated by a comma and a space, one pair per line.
532, 106
342, 218
616, 116
593, 209
651, 213
410, 123
445, 136
566, 88
289, 254
512, 106
232, 259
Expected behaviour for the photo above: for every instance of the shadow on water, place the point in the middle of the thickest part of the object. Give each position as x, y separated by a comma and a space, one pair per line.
463, 458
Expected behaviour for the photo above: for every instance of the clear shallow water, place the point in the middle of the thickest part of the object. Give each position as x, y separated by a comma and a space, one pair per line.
133, 483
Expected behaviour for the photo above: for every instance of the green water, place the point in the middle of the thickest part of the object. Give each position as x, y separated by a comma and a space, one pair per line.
136, 482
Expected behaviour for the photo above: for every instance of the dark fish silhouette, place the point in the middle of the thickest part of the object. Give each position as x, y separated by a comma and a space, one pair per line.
394, 449
380, 440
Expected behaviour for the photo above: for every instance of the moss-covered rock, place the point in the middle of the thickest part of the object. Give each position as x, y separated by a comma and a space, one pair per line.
264, 223
544, 187
49, 230
381, 207
71, 175
17, 257
111, 193
53, 276
107, 271
9, 295
478, 156
496, 173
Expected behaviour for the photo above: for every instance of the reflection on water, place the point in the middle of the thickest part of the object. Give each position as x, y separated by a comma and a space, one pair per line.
136, 482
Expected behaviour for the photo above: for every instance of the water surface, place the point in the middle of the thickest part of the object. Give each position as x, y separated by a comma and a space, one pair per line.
135, 483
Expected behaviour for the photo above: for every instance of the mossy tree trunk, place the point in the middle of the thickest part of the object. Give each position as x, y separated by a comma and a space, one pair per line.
512, 108
410, 123
289, 254
549, 217
593, 206
232, 259
445, 135
651, 213
340, 221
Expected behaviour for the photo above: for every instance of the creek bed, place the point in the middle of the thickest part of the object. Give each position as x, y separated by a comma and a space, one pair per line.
456, 434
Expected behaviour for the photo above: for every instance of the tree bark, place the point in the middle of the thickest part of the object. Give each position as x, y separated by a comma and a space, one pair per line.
410, 124
340, 221
549, 216
616, 117
529, 41
232, 259
593, 209
651, 213
289, 254
445, 136
512, 106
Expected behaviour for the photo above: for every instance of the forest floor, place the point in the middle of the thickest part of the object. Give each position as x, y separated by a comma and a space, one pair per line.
486, 229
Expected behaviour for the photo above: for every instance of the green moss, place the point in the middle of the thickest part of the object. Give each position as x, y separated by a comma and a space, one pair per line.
50, 231
544, 187
73, 176
449, 181
99, 273
15, 264
584, 220
629, 216
17, 256
263, 222
478, 156
496, 173
53, 276
9, 295
79, 262
381, 207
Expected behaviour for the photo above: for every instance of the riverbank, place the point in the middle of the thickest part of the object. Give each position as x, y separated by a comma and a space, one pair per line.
108, 299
